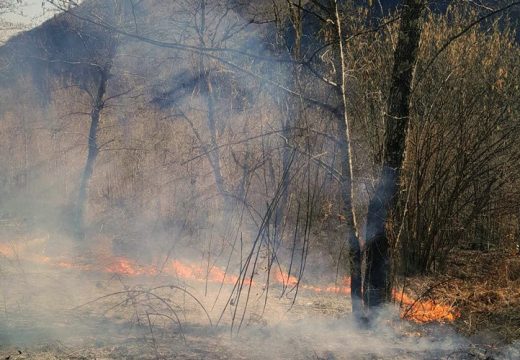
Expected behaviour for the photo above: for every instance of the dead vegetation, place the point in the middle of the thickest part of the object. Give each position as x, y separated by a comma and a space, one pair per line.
484, 287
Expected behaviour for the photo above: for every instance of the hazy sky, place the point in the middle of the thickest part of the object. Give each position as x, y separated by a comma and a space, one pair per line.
26, 11
26, 15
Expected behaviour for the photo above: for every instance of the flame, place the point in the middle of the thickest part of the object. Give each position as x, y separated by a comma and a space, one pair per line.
285, 279
7, 250
421, 311
199, 273
342, 289
124, 266
424, 311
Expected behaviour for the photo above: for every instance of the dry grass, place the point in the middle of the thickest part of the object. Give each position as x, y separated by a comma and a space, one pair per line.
485, 288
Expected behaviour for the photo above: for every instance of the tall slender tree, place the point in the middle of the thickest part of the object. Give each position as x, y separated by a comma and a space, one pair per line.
345, 145
98, 103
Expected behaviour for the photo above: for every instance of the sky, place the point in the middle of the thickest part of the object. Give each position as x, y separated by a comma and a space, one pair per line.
27, 10
28, 14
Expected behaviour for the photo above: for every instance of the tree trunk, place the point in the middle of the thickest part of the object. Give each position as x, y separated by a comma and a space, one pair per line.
384, 201
352, 237
93, 150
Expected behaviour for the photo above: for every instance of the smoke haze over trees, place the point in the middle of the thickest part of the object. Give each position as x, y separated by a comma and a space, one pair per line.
371, 139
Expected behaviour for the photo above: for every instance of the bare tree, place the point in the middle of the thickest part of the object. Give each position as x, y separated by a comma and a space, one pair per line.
98, 104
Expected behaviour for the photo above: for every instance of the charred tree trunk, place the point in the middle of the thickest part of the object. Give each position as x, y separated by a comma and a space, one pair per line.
345, 144
93, 150
377, 287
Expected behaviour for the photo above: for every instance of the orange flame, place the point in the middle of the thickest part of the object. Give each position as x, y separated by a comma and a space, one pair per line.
7, 250
285, 279
343, 289
125, 266
424, 311
197, 272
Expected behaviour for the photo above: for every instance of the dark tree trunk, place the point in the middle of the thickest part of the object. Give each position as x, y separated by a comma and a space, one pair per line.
93, 151
377, 287
352, 238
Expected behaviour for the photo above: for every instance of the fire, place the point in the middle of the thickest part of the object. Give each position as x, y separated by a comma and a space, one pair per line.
421, 311
195, 272
125, 266
343, 289
424, 311
285, 279
7, 250
185, 271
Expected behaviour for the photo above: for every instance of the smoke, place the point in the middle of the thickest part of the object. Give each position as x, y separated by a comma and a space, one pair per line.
192, 159
94, 308
56, 308
339, 339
